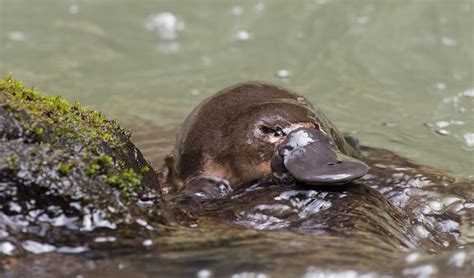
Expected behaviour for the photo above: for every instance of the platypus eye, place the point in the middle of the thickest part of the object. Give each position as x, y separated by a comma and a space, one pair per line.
276, 132
265, 129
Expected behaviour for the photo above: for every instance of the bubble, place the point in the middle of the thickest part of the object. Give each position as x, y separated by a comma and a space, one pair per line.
283, 73
142, 222
448, 41
165, 24
237, 10
7, 248
147, 242
204, 273
16, 36
242, 35
362, 20
259, 7
440, 86
206, 60
73, 9
468, 93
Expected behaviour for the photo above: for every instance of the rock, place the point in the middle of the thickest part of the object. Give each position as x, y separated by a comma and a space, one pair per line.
70, 178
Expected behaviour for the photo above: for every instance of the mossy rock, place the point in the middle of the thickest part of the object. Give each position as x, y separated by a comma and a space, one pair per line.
68, 176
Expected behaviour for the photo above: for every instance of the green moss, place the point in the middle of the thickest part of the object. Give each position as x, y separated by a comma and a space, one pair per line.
145, 170
127, 181
13, 161
55, 121
56, 118
106, 160
64, 169
93, 170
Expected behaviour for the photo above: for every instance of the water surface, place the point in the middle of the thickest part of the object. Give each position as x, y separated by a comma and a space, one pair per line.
395, 74
391, 72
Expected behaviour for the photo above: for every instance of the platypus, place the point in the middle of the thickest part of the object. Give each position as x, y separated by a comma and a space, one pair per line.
257, 132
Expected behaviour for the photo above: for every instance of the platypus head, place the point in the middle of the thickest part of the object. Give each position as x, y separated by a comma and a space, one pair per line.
288, 139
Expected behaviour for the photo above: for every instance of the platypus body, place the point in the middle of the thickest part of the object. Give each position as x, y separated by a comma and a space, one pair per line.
257, 132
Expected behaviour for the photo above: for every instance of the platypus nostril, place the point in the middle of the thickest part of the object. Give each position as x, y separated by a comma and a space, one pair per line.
331, 163
339, 162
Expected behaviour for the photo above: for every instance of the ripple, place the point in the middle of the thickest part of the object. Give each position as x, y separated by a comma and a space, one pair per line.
447, 201
469, 139
105, 239
249, 275
422, 271
421, 231
413, 257
458, 259
37, 248
261, 221
72, 250
314, 272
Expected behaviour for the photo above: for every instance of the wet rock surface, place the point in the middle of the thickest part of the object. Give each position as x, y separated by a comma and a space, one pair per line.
70, 180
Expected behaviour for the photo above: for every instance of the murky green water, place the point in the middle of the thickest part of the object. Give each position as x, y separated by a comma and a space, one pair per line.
395, 74
382, 70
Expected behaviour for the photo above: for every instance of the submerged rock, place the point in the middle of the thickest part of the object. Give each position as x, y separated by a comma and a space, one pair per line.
70, 180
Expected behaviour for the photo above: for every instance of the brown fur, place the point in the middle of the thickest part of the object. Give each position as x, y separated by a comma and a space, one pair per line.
219, 137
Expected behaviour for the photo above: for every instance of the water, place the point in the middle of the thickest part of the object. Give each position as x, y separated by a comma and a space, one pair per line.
395, 74
388, 72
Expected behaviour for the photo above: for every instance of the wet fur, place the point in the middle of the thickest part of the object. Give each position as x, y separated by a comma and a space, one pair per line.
217, 138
